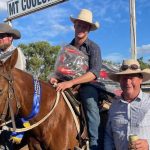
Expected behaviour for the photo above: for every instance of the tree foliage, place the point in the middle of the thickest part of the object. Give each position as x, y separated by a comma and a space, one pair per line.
40, 58
143, 64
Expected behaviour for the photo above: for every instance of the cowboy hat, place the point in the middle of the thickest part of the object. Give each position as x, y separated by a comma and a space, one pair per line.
5, 28
130, 66
86, 16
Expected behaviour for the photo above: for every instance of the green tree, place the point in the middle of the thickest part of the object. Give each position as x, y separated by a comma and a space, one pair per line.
143, 64
40, 58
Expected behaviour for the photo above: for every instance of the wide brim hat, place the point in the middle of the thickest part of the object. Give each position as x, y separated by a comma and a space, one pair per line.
145, 72
5, 28
86, 16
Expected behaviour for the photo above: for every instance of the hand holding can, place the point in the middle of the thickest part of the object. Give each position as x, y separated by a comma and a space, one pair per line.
132, 138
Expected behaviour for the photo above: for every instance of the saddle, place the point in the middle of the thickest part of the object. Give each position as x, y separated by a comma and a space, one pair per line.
78, 109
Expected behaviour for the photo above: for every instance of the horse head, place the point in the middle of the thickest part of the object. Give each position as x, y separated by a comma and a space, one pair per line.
9, 63
6, 85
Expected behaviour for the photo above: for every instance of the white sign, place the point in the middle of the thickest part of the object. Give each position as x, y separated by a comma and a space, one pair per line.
18, 8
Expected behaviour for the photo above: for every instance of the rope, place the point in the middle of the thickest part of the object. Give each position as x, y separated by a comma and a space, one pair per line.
43, 119
72, 111
36, 124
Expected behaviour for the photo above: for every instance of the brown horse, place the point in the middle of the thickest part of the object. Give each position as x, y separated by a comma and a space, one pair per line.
58, 131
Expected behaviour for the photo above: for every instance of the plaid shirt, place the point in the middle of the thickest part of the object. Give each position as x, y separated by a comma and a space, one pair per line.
93, 52
126, 119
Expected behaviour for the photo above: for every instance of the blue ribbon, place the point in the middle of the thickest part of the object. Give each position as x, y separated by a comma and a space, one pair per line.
36, 101
35, 107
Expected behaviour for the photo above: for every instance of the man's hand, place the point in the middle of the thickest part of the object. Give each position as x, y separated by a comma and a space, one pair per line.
140, 144
64, 85
53, 80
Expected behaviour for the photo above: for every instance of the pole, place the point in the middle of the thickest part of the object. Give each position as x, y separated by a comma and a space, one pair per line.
133, 29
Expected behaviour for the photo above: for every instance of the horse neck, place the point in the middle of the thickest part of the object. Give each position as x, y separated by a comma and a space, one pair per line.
23, 89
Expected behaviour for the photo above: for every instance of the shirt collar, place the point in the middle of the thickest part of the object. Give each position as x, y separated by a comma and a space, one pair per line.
4, 55
140, 95
138, 98
84, 44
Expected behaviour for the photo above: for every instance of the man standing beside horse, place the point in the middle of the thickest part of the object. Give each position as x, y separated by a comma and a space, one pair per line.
89, 94
129, 115
7, 35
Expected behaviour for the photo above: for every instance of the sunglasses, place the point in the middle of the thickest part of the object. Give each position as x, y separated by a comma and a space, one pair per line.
4, 35
132, 67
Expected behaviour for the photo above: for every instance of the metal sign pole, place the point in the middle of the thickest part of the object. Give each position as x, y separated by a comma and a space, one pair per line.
133, 29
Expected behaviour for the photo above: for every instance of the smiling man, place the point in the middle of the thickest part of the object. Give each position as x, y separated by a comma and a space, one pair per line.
89, 94
129, 113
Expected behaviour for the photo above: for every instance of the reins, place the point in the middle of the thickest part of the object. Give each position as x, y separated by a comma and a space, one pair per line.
10, 98
72, 111
43, 119
37, 123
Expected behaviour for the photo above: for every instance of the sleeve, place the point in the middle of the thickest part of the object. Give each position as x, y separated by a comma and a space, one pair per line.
108, 138
21, 60
95, 60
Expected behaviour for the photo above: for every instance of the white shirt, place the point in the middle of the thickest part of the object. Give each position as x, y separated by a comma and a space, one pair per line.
21, 60
126, 119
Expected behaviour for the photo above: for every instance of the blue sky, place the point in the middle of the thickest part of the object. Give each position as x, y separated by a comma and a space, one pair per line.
53, 25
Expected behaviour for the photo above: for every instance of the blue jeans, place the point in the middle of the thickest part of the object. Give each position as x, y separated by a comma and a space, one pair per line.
89, 96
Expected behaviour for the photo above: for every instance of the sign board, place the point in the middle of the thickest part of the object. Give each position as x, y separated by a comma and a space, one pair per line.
18, 8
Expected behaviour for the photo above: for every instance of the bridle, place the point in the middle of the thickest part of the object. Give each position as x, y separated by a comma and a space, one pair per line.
9, 100
12, 96
8, 106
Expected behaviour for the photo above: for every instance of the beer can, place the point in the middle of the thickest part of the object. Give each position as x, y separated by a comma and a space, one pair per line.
133, 138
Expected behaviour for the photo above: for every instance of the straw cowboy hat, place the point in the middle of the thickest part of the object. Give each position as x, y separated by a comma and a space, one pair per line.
5, 28
130, 66
86, 16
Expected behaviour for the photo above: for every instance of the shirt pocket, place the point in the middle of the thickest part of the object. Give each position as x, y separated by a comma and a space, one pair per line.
119, 124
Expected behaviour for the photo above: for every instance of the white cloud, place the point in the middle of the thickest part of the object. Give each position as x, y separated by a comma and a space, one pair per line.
109, 19
45, 24
144, 49
114, 57
3, 5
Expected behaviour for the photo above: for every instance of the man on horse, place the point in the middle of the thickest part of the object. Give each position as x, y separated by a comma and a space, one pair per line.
89, 94
7, 35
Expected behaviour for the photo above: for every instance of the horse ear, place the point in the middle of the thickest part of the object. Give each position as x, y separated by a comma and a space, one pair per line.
10, 63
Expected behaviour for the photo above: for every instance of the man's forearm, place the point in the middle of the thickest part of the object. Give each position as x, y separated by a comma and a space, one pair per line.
89, 76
